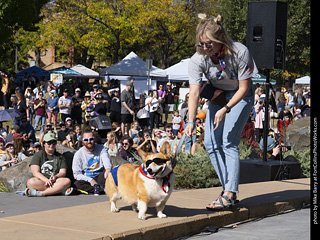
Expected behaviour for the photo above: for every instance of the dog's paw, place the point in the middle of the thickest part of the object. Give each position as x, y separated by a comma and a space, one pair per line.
161, 215
143, 217
114, 209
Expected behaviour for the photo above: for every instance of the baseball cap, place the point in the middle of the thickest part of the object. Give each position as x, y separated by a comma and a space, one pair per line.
9, 143
129, 84
49, 137
78, 90
270, 144
36, 144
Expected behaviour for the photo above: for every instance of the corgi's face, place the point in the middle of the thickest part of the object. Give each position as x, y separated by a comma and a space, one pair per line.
157, 165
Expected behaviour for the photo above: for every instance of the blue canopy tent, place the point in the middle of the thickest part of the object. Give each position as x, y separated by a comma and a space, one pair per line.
65, 71
39, 72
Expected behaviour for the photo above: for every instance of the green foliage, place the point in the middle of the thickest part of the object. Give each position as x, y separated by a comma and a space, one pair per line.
244, 150
195, 171
3, 188
303, 158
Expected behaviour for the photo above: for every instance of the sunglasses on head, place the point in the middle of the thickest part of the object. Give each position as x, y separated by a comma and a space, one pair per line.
88, 139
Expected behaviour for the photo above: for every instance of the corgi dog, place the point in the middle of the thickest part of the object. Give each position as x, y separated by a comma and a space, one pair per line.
147, 185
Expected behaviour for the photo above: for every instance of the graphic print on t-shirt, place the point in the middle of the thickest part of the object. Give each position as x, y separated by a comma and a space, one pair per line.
94, 168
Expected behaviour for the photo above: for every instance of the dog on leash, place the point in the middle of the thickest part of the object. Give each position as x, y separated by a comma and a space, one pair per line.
147, 185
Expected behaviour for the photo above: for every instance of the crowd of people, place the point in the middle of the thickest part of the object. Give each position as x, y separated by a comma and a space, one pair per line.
63, 117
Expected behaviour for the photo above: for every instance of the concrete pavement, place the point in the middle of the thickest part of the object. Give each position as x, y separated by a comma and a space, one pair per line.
291, 225
185, 210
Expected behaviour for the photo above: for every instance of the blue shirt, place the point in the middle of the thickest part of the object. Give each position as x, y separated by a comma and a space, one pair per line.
53, 102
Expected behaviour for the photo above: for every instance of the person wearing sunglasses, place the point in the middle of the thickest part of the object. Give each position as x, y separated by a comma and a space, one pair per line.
127, 152
91, 164
171, 139
49, 170
228, 66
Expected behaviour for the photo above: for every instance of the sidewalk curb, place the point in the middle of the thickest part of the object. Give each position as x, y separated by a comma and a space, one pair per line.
197, 223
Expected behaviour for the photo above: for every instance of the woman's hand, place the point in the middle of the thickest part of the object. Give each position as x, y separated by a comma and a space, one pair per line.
189, 129
219, 117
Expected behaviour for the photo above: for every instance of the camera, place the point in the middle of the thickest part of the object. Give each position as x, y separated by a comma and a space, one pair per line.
278, 143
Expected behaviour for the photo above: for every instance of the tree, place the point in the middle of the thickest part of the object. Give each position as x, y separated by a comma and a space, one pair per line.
15, 14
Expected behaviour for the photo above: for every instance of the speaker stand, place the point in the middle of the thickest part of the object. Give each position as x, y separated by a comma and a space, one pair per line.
266, 117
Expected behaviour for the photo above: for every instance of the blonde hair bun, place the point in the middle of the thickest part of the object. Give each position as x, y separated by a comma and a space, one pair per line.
202, 16
218, 19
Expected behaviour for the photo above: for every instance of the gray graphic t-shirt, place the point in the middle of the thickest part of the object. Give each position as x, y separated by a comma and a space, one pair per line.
239, 66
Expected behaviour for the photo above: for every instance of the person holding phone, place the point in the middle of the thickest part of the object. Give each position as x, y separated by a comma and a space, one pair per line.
147, 144
227, 66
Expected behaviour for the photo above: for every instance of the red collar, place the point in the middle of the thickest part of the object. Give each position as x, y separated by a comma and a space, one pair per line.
144, 173
165, 180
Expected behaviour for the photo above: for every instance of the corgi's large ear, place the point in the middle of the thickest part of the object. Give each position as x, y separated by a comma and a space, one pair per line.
142, 154
165, 149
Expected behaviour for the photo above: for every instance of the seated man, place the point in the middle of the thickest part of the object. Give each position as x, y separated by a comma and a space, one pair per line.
27, 128
171, 139
91, 164
63, 133
49, 170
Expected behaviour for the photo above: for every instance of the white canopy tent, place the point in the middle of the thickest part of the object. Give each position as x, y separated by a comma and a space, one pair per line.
132, 65
85, 71
303, 80
179, 71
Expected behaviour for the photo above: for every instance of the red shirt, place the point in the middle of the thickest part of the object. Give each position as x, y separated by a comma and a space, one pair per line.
41, 110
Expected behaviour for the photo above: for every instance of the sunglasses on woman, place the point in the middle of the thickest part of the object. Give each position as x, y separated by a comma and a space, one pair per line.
201, 45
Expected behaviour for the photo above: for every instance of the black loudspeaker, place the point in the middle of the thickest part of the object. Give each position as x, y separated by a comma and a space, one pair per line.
257, 170
267, 33
101, 122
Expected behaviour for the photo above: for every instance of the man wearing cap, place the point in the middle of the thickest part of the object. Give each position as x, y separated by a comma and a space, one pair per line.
27, 128
65, 105
62, 134
76, 111
127, 107
49, 171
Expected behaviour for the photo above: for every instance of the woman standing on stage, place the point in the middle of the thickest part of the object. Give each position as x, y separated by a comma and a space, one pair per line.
228, 66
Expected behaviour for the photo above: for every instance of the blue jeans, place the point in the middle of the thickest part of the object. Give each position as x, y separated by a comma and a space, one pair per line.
37, 119
222, 144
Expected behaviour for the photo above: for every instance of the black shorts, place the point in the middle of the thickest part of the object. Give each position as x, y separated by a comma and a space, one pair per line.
126, 118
